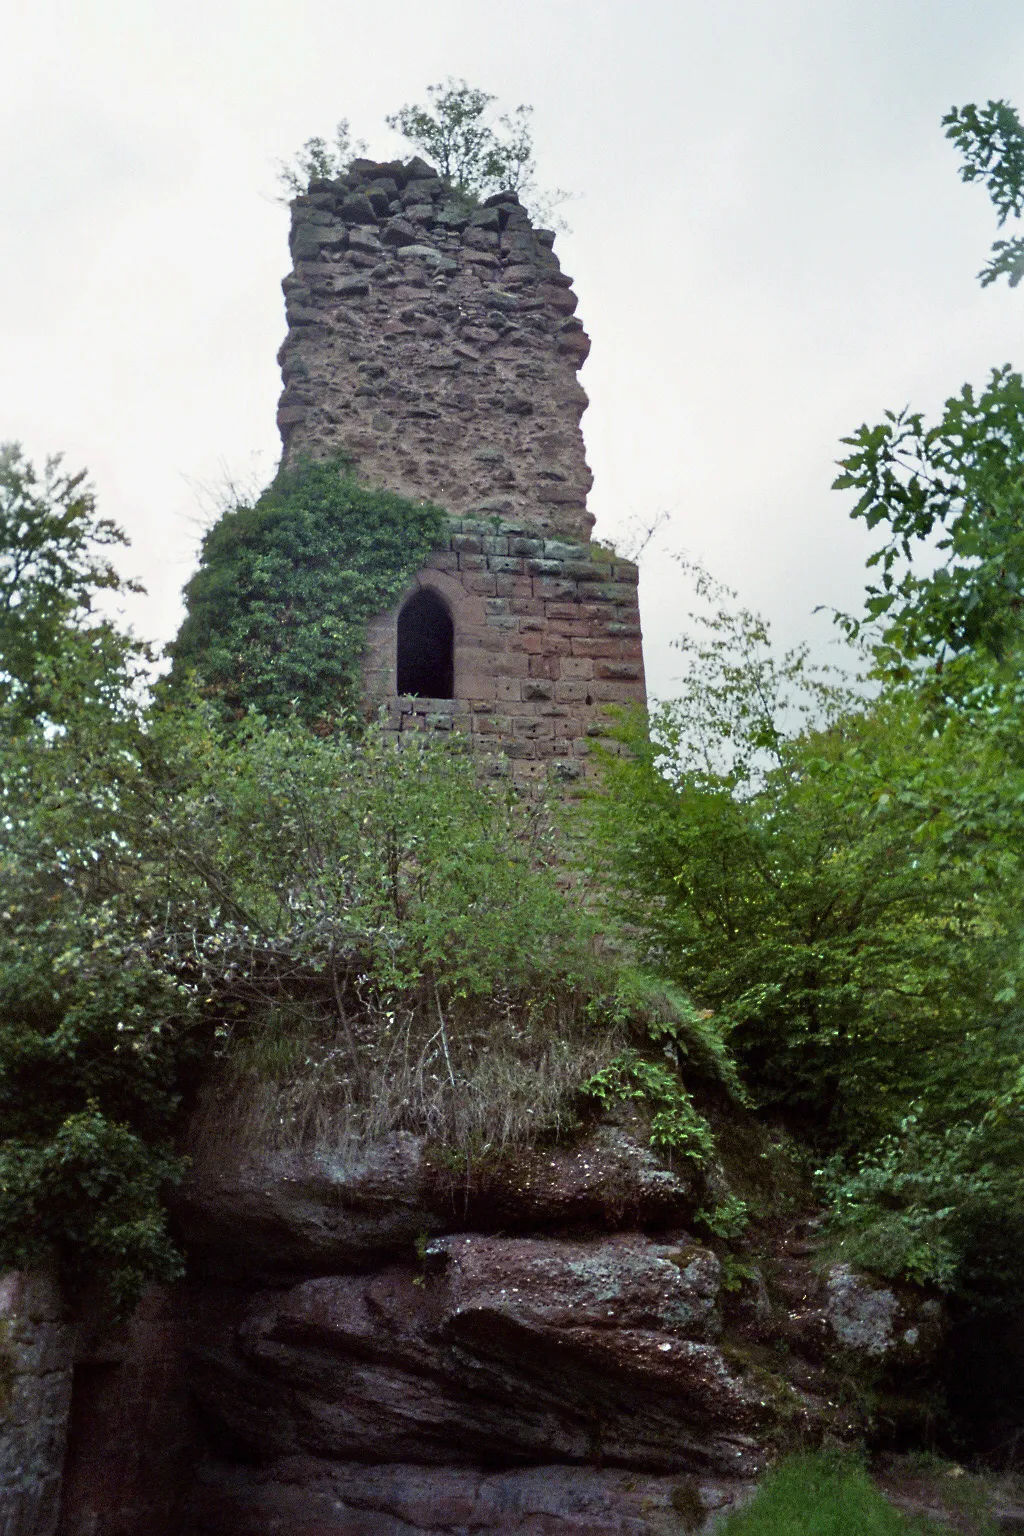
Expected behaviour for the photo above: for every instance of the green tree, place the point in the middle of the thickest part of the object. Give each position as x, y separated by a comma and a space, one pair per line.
318, 160
475, 153
55, 646
88, 1066
837, 878
956, 487
469, 151
991, 140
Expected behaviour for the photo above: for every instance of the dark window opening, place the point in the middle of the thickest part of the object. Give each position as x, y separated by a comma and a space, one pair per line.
426, 644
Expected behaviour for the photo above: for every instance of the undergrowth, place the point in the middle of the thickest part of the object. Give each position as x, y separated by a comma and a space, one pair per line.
823, 1494
393, 947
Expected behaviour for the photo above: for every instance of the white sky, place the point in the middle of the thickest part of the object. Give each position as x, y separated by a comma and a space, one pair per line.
770, 243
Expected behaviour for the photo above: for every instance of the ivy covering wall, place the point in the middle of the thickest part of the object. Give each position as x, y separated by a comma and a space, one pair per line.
277, 611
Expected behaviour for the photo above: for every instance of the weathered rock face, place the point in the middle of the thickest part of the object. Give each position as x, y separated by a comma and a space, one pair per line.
503, 1349
301, 1493
893, 1325
132, 1438
36, 1351
282, 1215
558, 1353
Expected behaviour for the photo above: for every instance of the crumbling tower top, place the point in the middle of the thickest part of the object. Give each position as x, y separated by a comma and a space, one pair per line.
436, 343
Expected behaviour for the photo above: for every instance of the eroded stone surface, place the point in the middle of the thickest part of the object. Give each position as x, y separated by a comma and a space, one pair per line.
281, 1215
36, 1350
500, 1348
882, 1323
132, 1442
302, 1493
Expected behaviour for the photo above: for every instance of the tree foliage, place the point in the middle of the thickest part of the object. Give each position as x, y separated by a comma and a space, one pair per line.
991, 141
837, 877
477, 154
476, 151
276, 614
52, 572
474, 155
840, 879
958, 488
319, 159
177, 894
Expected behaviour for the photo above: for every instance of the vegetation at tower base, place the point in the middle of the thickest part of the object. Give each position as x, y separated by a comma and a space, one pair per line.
361, 939
277, 611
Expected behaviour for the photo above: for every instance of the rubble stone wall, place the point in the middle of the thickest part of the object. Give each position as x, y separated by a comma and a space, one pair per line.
437, 345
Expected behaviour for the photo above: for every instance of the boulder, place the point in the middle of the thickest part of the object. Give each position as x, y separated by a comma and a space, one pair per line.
495, 1349
898, 1326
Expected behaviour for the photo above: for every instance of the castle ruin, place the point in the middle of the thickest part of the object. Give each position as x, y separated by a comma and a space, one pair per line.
437, 345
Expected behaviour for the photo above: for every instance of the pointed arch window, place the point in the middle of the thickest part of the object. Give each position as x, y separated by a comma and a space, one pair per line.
426, 647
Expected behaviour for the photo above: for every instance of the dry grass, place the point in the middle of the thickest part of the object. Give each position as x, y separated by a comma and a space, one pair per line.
487, 1076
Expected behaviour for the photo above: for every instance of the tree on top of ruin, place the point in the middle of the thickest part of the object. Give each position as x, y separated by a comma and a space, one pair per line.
476, 152
475, 156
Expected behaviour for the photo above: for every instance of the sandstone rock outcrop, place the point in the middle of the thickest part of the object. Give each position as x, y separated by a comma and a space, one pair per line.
301, 1493
36, 1353
571, 1357
502, 1349
277, 1215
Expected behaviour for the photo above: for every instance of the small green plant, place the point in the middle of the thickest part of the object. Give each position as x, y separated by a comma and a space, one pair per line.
728, 1218
822, 1494
736, 1273
318, 160
676, 1123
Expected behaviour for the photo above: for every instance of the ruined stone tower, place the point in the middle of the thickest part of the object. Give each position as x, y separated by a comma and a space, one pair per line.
437, 346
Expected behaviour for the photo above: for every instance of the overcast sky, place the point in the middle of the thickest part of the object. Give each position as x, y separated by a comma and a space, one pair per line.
769, 241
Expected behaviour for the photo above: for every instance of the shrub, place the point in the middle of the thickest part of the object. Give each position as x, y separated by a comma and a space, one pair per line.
836, 879
397, 939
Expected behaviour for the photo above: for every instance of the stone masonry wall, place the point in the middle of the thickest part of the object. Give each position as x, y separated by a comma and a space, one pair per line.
437, 345
547, 634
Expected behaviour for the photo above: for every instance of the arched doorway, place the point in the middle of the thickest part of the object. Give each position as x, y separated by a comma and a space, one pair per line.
426, 647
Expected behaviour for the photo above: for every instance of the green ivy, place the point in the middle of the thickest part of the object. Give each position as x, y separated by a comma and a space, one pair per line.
277, 611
